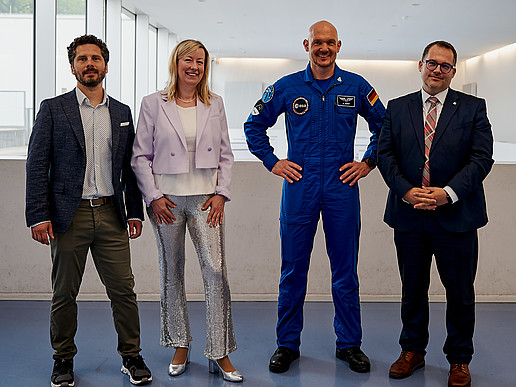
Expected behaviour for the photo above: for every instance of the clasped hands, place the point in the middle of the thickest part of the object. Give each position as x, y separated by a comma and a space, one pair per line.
353, 171
162, 206
426, 198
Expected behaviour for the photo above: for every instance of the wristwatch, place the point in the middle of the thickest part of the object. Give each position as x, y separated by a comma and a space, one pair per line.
448, 197
371, 163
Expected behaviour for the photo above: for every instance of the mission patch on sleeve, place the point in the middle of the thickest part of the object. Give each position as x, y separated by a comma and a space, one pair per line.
268, 94
258, 107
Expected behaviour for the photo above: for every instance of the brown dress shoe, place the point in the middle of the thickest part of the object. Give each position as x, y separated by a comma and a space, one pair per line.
407, 363
459, 376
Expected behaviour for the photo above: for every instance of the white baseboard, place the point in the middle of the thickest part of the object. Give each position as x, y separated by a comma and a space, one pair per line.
508, 298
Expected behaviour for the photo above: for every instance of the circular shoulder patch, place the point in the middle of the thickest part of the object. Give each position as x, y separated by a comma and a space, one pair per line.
268, 94
300, 106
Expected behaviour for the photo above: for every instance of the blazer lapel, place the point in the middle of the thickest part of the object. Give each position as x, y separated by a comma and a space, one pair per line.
116, 118
71, 109
416, 115
202, 115
449, 108
170, 109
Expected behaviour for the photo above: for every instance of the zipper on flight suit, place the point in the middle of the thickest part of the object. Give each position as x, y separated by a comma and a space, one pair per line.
324, 143
329, 88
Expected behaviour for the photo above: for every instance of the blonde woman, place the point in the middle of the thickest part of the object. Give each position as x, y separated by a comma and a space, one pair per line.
182, 160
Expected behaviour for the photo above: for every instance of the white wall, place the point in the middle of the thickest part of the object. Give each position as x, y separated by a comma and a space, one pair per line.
492, 72
496, 81
390, 79
252, 245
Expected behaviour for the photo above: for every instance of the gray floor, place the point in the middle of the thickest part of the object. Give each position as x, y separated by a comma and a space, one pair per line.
26, 354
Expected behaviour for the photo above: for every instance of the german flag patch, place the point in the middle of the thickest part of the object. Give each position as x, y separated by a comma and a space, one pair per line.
372, 97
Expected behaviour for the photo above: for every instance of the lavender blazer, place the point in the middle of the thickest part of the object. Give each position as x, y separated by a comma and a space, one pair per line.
160, 144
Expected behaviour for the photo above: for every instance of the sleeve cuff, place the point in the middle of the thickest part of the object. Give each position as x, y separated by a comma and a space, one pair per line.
37, 224
449, 190
270, 161
155, 195
223, 193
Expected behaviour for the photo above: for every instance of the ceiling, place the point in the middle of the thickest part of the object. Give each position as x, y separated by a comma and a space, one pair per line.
368, 29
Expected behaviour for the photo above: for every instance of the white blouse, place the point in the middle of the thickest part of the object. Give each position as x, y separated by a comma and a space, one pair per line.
197, 181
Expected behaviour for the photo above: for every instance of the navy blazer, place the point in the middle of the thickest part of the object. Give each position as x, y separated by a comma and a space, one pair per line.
460, 157
56, 163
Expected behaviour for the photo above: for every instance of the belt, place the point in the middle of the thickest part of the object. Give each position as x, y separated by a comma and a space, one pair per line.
97, 202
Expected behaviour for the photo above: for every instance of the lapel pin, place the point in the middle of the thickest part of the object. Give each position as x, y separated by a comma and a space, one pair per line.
455, 103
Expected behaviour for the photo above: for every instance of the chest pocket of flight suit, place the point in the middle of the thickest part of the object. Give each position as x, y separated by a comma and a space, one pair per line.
344, 107
298, 116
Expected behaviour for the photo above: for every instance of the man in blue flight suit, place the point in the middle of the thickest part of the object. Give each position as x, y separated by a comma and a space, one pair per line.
321, 105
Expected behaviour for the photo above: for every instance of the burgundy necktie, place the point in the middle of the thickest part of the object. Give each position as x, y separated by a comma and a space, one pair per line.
430, 122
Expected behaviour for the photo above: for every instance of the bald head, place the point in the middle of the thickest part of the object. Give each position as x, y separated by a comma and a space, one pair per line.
322, 46
322, 26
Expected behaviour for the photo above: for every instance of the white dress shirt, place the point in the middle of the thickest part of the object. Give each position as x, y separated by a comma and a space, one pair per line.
441, 97
96, 123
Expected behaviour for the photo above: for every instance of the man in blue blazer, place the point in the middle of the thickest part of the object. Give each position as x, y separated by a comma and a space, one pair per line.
434, 152
78, 170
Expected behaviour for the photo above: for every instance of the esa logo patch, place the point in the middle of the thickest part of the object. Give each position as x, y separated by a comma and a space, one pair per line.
346, 101
258, 107
268, 94
300, 106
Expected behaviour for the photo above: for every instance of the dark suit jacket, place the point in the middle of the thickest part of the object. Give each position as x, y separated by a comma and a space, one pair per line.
56, 163
460, 157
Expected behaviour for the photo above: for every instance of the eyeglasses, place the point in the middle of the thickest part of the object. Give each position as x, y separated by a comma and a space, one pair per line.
432, 65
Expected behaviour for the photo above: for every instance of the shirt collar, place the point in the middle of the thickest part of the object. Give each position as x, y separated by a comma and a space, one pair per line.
440, 96
81, 97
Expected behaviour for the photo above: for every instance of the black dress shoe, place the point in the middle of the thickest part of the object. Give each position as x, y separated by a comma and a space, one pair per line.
281, 359
357, 359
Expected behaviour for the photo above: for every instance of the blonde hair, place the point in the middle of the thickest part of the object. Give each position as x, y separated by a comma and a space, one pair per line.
180, 51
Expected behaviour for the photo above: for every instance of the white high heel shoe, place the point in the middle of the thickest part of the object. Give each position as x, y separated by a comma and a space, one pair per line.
178, 369
233, 376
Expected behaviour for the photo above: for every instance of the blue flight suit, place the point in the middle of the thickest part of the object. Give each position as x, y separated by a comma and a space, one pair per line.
321, 130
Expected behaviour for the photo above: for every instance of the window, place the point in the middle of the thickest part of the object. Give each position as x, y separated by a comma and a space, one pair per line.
16, 92
153, 52
128, 59
70, 23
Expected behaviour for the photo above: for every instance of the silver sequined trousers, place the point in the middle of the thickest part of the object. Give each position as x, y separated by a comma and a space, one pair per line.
209, 244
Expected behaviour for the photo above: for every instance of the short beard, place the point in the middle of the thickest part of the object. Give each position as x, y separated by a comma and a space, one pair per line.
91, 82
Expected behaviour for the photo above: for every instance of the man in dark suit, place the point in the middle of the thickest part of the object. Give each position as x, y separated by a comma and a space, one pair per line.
78, 169
434, 152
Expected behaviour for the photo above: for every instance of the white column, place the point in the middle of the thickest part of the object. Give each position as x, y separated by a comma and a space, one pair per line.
95, 18
44, 51
163, 57
172, 41
114, 41
142, 61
